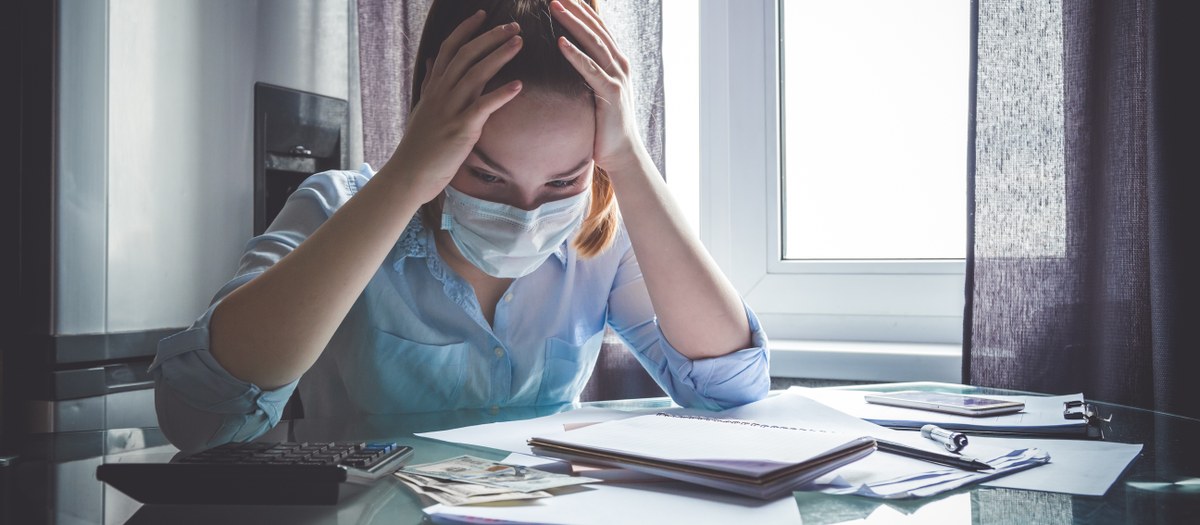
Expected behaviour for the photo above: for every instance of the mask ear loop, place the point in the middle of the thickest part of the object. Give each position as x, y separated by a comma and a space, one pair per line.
447, 219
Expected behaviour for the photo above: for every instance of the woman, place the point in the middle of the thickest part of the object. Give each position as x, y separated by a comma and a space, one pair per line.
480, 265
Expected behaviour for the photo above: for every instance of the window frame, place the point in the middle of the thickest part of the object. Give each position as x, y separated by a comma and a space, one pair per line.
898, 301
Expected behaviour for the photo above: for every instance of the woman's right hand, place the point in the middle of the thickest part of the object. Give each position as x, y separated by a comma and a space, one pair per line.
448, 119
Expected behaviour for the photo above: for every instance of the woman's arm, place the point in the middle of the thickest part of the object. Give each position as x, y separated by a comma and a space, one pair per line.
697, 308
272, 329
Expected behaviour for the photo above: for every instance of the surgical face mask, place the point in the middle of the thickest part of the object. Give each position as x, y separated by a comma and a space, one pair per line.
506, 241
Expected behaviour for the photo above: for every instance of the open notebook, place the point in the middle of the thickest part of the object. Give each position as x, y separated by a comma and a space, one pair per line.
763, 461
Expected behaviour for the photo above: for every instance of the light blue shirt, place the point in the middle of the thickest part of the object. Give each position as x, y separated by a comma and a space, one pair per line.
416, 339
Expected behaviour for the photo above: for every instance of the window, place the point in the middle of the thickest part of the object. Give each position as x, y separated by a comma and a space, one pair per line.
874, 121
832, 168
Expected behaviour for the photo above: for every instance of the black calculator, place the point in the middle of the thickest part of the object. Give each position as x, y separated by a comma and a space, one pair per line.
257, 473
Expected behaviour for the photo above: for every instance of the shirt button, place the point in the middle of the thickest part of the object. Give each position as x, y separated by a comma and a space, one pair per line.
508, 298
499, 352
495, 409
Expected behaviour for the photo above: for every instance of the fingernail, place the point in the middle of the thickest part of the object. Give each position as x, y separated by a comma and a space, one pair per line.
514, 41
478, 14
513, 26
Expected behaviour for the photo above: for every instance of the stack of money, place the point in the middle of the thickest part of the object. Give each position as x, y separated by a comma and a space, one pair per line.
467, 480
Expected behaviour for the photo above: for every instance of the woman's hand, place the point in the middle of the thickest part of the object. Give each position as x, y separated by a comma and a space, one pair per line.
618, 143
448, 119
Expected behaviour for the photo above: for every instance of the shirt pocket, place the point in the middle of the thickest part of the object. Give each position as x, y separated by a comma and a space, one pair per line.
395, 375
567, 368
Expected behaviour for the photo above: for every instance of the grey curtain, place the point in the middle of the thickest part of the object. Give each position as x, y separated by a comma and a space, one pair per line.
1084, 202
390, 30
389, 33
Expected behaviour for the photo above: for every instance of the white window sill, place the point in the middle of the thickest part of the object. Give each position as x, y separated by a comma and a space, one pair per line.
866, 361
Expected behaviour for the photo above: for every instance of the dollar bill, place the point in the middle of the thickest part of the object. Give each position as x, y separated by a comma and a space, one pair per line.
461, 493
470, 469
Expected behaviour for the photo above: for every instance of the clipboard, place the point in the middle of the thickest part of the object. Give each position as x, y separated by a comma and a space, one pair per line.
1062, 416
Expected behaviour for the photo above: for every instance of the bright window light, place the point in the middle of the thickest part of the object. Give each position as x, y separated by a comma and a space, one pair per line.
681, 94
874, 98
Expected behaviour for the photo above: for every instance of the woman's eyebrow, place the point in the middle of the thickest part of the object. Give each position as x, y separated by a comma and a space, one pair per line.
572, 171
500, 170
495, 166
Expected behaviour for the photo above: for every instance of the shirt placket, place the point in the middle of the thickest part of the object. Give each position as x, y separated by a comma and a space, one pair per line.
500, 363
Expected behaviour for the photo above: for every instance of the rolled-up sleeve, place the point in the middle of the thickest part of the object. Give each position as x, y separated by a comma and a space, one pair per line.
200, 404
715, 383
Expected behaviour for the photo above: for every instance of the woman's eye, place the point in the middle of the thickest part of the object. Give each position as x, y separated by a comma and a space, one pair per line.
563, 183
488, 179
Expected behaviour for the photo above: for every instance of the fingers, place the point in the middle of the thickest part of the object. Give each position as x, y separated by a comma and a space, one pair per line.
591, 13
456, 39
601, 29
595, 76
584, 12
473, 81
428, 75
587, 29
487, 104
475, 50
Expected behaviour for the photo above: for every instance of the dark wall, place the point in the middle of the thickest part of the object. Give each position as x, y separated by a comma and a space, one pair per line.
26, 230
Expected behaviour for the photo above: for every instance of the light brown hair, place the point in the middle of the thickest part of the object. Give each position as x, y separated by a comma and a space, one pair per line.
539, 66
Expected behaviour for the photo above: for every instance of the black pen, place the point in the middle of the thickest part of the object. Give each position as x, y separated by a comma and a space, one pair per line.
932, 457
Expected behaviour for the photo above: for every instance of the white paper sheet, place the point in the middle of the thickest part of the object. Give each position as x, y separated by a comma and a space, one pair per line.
1085, 468
511, 435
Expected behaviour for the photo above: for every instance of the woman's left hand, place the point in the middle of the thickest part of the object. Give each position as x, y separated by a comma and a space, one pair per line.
606, 70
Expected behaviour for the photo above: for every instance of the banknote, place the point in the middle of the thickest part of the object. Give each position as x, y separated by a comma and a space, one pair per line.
470, 469
462, 493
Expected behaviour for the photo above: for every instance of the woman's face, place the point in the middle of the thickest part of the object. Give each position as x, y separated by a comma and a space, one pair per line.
536, 149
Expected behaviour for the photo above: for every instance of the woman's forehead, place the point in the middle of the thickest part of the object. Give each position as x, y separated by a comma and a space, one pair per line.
539, 135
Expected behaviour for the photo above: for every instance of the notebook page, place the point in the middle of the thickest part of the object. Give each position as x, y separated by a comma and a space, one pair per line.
685, 438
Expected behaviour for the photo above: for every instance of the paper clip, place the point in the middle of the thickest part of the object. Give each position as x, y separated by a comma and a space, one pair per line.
1084, 411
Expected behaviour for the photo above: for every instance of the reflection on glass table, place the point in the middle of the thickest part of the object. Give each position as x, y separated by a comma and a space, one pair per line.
1159, 487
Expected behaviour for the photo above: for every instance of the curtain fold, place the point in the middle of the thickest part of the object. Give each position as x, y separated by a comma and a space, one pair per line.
1084, 202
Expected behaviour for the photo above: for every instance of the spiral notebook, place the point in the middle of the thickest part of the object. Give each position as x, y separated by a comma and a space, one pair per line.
762, 461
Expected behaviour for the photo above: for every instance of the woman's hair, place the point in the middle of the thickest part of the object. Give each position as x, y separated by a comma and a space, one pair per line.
540, 67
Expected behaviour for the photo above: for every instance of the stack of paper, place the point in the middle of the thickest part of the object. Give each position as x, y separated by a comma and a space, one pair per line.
762, 461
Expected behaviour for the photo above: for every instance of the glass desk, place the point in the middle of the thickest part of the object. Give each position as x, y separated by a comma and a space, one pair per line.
55, 480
